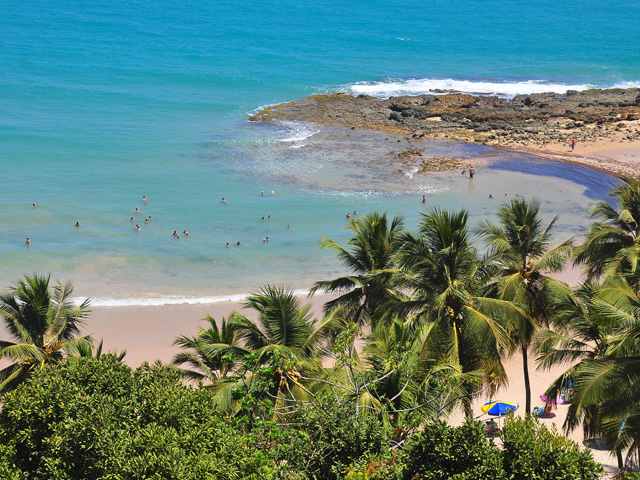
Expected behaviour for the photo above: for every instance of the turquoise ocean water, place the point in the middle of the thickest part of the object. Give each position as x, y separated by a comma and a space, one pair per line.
104, 102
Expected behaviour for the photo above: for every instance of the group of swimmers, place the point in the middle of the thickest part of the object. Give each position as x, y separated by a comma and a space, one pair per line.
175, 232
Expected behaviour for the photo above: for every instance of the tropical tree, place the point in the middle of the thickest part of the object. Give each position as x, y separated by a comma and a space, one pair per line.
446, 282
210, 355
372, 261
610, 383
283, 341
612, 245
520, 247
43, 324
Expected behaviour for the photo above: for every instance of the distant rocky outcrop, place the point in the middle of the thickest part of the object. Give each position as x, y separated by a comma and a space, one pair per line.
523, 120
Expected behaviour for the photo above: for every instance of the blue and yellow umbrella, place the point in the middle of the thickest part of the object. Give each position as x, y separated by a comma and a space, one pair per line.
498, 408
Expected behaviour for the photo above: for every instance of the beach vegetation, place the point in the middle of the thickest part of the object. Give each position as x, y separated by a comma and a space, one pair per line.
44, 326
372, 261
520, 247
612, 245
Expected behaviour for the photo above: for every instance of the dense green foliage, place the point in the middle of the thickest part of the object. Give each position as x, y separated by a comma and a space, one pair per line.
99, 419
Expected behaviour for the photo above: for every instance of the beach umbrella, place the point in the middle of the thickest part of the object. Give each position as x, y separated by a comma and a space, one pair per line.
498, 408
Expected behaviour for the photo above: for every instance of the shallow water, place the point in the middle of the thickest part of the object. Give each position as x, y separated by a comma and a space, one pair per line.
104, 102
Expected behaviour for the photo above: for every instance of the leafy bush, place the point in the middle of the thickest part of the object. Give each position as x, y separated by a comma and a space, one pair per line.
97, 419
462, 453
533, 451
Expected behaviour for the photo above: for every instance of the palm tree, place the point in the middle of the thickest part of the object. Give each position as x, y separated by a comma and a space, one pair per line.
519, 246
212, 354
446, 281
613, 243
285, 335
372, 260
610, 383
43, 323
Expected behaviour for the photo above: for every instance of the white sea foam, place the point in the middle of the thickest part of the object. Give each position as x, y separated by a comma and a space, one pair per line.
297, 132
160, 301
393, 87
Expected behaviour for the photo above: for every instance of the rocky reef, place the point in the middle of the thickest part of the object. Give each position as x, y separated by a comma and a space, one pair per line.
589, 115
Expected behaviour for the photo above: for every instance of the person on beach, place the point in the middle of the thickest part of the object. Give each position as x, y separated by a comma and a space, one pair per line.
424, 199
544, 142
472, 172
573, 145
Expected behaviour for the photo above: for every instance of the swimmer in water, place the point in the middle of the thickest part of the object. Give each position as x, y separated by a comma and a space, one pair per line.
272, 192
262, 193
132, 220
262, 218
33, 205
149, 217
424, 199
355, 213
238, 244
490, 196
266, 239
77, 224
136, 210
146, 220
175, 233
288, 227
348, 215
464, 172
227, 244
186, 234
138, 227
268, 217
144, 199
28, 242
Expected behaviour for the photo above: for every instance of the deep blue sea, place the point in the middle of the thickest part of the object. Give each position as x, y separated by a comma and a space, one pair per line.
102, 103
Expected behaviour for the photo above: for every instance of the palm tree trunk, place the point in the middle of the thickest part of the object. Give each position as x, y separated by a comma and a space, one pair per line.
527, 383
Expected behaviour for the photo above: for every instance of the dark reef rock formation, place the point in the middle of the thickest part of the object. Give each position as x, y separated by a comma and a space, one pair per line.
525, 119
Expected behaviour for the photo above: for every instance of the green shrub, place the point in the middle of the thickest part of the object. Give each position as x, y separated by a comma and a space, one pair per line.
98, 419
441, 452
534, 452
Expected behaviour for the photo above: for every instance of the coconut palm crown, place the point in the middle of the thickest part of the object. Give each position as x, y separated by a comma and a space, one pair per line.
371, 259
612, 245
43, 323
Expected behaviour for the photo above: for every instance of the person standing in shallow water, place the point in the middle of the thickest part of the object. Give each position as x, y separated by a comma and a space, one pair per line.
424, 199
472, 172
